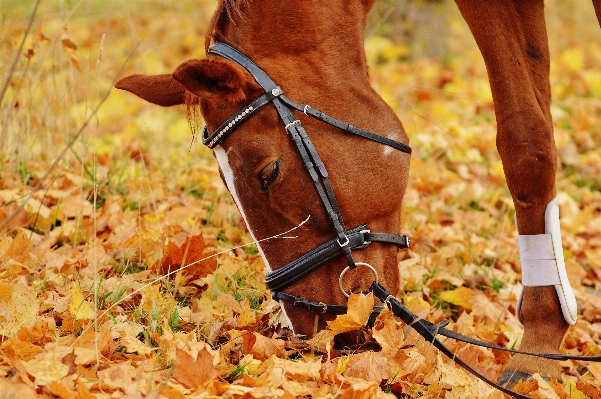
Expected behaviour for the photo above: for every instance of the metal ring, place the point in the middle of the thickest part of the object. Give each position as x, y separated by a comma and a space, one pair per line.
292, 124
387, 301
346, 269
325, 307
305, 109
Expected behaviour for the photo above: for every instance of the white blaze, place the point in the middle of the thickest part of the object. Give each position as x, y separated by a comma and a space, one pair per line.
228, 176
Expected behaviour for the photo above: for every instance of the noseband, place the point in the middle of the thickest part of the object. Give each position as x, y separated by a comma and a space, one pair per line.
345, 241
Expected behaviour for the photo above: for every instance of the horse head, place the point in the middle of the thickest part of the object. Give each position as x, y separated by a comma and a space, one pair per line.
319, 60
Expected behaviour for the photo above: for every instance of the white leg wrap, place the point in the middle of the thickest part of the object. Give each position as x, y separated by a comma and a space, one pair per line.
543, 264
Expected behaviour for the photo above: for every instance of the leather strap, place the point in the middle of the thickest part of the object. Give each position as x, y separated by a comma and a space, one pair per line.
429, 331
320, 307
316, 114
237, 119
359, 238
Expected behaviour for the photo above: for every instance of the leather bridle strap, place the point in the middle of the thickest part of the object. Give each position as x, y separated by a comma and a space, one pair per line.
317, 114
359, 238
429, 331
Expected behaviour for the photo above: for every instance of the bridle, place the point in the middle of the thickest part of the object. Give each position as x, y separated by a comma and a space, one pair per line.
345, 241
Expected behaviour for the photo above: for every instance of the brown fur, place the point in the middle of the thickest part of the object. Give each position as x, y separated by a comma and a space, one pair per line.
322, 63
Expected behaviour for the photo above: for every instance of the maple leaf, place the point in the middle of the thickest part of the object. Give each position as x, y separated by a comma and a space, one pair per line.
388, 332
370, 366
300, 370
14, 348
196, 364
262, 347
359, 308
191, 253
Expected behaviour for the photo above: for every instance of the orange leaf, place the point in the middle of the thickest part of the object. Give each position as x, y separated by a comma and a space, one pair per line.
192, 251
371, 366
196, 366
359, 308
526, 386
262, 347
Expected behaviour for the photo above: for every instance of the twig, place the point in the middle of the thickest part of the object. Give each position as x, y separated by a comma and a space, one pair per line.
39, 184
14, 65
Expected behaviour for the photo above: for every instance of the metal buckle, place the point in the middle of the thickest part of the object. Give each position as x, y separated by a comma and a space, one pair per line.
365, 242
344, 244
387, 301
325, 307
346, 269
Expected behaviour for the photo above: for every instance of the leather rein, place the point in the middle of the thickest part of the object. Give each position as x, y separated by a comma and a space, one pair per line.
345, 241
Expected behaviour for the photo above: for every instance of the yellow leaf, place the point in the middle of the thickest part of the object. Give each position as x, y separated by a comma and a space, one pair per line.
18, 308
459, 297
389, 333
371, 366
79, 307
156, 302
359, 308
46, 369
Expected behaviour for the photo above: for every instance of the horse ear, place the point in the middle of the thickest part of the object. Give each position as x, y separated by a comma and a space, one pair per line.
215, 79
159, 89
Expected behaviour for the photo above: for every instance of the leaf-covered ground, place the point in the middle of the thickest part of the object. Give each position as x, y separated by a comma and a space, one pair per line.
126, 270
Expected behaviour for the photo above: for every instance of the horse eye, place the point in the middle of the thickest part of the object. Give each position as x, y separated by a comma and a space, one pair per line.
269, 174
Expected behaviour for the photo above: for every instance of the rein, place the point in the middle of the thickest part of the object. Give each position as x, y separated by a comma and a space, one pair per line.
345, 240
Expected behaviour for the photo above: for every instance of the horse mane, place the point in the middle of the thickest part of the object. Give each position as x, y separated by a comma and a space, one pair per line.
227, 11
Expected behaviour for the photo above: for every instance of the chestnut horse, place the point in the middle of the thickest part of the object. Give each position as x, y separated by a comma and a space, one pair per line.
317, 57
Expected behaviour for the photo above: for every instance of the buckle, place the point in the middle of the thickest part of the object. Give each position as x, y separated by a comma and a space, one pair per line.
365, 242
343, 244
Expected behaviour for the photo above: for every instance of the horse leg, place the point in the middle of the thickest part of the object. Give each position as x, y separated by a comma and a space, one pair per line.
597, 5
512, 38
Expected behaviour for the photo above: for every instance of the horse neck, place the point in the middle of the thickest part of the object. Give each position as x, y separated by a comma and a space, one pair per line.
297, 40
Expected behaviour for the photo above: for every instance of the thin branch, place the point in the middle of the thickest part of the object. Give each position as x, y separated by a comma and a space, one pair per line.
39, 184
16, 60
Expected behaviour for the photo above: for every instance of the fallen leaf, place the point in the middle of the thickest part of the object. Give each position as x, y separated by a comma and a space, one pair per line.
262, 347
388, 332
12, 389
46, 369
370, 366
196, 364
460, 296
79, 307
119, 376
191, 254
359, 309
18, 308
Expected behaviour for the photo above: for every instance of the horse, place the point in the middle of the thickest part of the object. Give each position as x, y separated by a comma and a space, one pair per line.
314, 51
